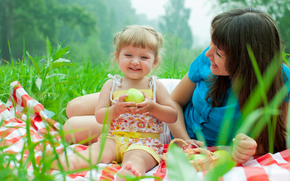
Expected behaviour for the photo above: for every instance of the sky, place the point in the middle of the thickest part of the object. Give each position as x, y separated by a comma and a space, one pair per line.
199, 21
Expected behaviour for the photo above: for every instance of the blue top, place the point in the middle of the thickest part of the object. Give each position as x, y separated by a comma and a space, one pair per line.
199, 113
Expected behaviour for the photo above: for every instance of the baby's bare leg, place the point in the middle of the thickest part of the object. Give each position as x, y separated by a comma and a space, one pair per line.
91, 155
136, 163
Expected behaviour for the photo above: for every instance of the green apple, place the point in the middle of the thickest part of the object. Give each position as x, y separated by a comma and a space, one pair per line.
134, 95
197, 156
224, 156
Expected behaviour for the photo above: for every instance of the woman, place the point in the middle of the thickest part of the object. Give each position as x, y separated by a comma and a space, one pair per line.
202, 94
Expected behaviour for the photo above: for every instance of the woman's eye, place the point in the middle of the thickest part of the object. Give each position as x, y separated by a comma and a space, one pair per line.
218, 53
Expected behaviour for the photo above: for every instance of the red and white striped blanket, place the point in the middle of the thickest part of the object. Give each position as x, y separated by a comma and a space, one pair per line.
13, 139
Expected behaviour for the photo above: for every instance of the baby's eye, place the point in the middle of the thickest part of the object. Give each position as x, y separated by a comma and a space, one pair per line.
144, 57
128, 55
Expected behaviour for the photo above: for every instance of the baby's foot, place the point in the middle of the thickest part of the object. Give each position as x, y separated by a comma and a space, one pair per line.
72, 164
127, 169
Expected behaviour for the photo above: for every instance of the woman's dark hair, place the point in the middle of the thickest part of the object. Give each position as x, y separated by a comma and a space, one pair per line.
231, 32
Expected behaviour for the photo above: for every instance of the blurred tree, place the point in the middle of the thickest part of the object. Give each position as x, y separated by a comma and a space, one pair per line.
175, 22
284, 25
6, 18
111, 16
278, 9
33, 21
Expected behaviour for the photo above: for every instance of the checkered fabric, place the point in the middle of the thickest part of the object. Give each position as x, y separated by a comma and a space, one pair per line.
13, 135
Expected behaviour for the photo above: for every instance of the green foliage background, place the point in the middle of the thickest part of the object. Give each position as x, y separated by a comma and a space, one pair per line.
88, 26
38, 38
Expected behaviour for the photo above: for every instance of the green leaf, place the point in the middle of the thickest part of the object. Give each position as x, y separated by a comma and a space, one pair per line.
60, 53
262, 86
34, 63
9, 48
179, 168
61, 64
227, 123
258, 74
105, 130
252, 118
220, 170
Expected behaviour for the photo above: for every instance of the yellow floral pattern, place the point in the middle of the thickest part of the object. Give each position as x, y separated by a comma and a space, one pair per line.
142, 123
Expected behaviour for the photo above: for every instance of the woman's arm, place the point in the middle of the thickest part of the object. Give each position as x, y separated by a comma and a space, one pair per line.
181, 95
82, 106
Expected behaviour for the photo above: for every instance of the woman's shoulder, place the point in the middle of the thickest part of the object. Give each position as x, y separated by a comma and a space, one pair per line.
199, 68
286, 70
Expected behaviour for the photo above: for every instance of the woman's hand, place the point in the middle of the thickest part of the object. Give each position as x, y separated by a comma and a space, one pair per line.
244, 148
195, 143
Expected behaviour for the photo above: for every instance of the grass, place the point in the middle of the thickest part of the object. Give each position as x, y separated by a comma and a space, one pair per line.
46, 79
53, 80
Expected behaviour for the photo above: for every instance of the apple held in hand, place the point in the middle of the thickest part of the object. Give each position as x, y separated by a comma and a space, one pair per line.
224, 156
197, 156
134, 95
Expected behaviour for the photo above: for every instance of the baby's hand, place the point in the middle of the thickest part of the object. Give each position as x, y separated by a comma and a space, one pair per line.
124, 107
146, 106
244, 148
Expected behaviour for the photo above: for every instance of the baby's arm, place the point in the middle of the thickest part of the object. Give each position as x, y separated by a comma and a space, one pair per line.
164, 108
104, 104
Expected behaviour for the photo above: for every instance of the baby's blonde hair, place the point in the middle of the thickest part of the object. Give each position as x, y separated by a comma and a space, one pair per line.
140, 36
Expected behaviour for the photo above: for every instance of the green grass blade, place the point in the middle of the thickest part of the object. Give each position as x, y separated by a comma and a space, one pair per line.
105, 130
178, 165
34, 63
256, 98
227, 120
219, 170
61, 64
23, 53
60, 53
48, 67
12, 62
258, 74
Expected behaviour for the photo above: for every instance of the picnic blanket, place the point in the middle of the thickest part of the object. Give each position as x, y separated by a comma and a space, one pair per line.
19, 127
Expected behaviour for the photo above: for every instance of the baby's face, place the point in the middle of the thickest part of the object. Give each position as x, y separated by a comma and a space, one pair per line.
136, 62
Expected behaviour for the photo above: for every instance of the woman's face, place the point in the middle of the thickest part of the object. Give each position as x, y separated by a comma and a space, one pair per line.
217, 60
